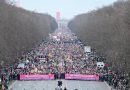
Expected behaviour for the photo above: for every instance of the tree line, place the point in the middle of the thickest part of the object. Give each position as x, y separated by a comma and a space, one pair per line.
107, 30
20, 31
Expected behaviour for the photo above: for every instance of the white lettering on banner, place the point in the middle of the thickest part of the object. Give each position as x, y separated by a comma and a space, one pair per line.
37, 77
81, 77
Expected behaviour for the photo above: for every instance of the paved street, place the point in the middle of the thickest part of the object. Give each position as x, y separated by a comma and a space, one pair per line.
51, 85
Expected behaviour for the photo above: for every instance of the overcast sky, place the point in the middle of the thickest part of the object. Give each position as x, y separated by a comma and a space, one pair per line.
67, 8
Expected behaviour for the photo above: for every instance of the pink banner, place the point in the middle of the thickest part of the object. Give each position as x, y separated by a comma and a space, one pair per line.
37, 77
81, 77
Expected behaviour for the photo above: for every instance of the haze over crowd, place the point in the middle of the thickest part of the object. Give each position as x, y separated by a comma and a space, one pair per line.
67, 8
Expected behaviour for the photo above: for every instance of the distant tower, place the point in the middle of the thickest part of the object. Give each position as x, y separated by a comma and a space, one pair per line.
58, 18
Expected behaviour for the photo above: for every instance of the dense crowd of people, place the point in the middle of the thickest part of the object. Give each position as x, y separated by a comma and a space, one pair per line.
118, 81
61, 52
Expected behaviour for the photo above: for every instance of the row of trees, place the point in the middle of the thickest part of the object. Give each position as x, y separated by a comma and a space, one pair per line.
20, 30
108, 31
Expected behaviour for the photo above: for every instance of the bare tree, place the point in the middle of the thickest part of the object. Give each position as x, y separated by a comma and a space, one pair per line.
108, 31
20, 30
